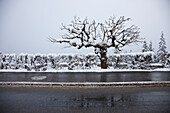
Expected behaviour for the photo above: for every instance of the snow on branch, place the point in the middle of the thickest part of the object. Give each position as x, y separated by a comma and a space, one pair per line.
111, 33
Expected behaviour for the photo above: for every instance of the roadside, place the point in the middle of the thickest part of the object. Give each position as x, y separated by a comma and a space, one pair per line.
82, 79
91, 70
86, 84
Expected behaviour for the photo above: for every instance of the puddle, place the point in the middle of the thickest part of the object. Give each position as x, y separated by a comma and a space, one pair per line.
38, 77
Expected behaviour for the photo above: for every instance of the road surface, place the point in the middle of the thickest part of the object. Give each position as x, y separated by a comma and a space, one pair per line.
84, 76
85, 100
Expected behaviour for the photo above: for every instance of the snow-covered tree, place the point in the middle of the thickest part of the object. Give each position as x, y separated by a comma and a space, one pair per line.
150, 46
145, 47
100, 36
162, 48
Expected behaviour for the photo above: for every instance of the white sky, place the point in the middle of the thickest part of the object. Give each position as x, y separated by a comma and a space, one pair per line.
25, 25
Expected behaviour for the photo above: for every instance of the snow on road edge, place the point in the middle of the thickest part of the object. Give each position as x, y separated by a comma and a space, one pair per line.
96, 70
84, 84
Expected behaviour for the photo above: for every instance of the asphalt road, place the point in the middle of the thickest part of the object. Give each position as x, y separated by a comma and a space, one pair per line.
85, 100
84, 76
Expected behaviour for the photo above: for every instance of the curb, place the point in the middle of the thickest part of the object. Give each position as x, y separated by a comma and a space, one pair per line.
84, 84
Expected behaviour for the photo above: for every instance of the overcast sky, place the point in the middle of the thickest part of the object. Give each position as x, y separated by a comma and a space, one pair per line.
25, 25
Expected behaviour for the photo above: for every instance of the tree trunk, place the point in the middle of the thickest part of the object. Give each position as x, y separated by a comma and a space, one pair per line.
103, 58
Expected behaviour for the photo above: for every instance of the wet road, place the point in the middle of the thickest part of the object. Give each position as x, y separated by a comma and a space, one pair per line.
85, 100
85, 76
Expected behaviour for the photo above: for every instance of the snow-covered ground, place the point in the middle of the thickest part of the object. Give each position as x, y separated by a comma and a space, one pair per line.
93, 70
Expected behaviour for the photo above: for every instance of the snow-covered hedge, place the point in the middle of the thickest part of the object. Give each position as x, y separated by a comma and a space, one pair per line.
140, 60
43, 62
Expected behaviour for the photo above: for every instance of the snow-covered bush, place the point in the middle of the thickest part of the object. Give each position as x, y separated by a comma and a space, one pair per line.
167, 60
132, 60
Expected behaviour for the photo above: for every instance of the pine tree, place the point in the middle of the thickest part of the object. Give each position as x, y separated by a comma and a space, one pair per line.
150, 46
145, 47
162, 48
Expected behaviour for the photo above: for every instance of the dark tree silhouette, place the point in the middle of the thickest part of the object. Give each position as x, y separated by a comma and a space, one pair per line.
100, 36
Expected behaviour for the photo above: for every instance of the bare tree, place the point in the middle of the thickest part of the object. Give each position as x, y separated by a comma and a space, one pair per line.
100, 36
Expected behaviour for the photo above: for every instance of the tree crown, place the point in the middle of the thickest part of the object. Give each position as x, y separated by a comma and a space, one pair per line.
111, 33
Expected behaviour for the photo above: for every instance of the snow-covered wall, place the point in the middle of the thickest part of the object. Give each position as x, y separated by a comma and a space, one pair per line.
43, 62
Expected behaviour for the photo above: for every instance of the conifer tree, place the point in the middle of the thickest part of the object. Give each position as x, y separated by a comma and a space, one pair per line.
145, 47
150, 46
162, 48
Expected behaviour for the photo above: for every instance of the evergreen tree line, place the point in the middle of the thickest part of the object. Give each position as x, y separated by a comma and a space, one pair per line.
161, 52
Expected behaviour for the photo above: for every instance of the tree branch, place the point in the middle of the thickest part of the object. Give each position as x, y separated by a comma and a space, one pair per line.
112, 33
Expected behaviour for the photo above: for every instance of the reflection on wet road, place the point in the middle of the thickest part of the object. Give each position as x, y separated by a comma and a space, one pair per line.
86, 76
85, 100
